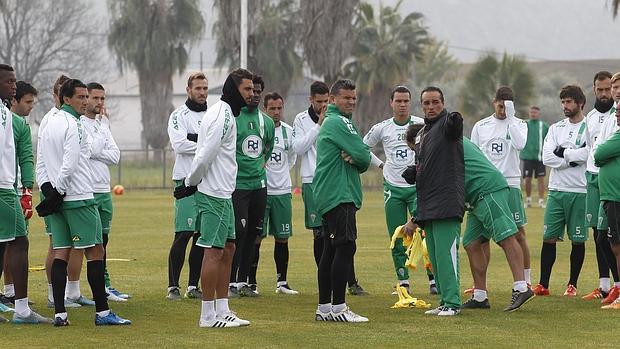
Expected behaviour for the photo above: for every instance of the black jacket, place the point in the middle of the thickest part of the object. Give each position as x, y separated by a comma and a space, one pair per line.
440, 168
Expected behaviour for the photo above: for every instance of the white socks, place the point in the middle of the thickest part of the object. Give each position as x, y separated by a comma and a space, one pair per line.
50, 293
61, 315
190, 288
528, 275
207, 310
221, 306
9, 290
337, 308
73, 289
603, 283
520, 286
480, 295
103, 313
21, 307
325, 308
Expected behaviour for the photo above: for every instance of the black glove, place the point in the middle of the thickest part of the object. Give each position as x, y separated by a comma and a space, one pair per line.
410, 174
52, 202
192, 137
573, 164
183, 191
559, 151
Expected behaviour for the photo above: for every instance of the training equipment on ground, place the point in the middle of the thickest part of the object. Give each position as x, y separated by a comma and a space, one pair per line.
406, 301
118, 190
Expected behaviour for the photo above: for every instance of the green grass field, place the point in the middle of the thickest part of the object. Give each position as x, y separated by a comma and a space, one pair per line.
142, 231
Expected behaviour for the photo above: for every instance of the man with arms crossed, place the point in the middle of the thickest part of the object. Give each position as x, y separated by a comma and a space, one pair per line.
213, 174
183, 128
566, 153
341, 157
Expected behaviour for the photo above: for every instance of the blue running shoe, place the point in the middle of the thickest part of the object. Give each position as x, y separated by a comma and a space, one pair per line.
118, 293
60, 322
83, 301
111, 320
5, 309
33, 318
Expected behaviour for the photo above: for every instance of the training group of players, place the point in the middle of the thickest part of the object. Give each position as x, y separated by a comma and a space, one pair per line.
233, 188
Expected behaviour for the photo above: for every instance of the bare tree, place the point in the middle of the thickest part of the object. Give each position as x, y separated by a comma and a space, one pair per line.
328, 38
42, 39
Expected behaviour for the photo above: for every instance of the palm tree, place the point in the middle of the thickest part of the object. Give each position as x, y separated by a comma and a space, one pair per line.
327, 37
385, 48
273, 33
436, 66
151, 37
486, 76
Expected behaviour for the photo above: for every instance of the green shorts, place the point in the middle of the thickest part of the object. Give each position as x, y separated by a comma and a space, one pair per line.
185, 212
46, 219
602, 223
565, 209
104, 207
515, 203
76, 225
278, 216
593, 200
12, 223
490, 218
312, 217
215, 221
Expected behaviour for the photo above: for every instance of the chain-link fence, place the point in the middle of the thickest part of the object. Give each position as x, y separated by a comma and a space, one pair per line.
152, 169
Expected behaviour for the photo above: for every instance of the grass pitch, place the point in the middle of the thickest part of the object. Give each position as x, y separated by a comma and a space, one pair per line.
142, 232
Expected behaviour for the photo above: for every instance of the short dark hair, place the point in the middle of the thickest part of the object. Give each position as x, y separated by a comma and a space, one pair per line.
535, 107
318, 88
504, 93
195, 76
68, 89
258, 80
6, 67
342, 84
58, 84
575, 92
94, 86
401, 89
271, 96
24, 88
239, 74
412, 132
432, 89
602, 75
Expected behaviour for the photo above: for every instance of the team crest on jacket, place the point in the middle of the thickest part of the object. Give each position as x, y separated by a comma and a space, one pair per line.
252, 146
401, 155
497, 148
276, 159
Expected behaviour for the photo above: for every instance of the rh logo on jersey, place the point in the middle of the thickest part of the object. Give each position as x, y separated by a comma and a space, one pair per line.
497, 148
401, 155
276, 159
252, 146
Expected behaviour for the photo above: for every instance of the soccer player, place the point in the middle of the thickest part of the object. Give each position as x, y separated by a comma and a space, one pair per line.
608, 128
532, 157
21, 106
12, 224
74, 263
566, 153
306, 128
440, 184
103, 153
279, 212
399, 197
183, 128
212, 174
255, 132
607, 156
66, 182
501, 137
595, 119
341, 157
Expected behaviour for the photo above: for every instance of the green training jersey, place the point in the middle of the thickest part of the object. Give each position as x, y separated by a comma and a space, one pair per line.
335, 180
536, 133
23, 152
255, 133
481, 176
607, 157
